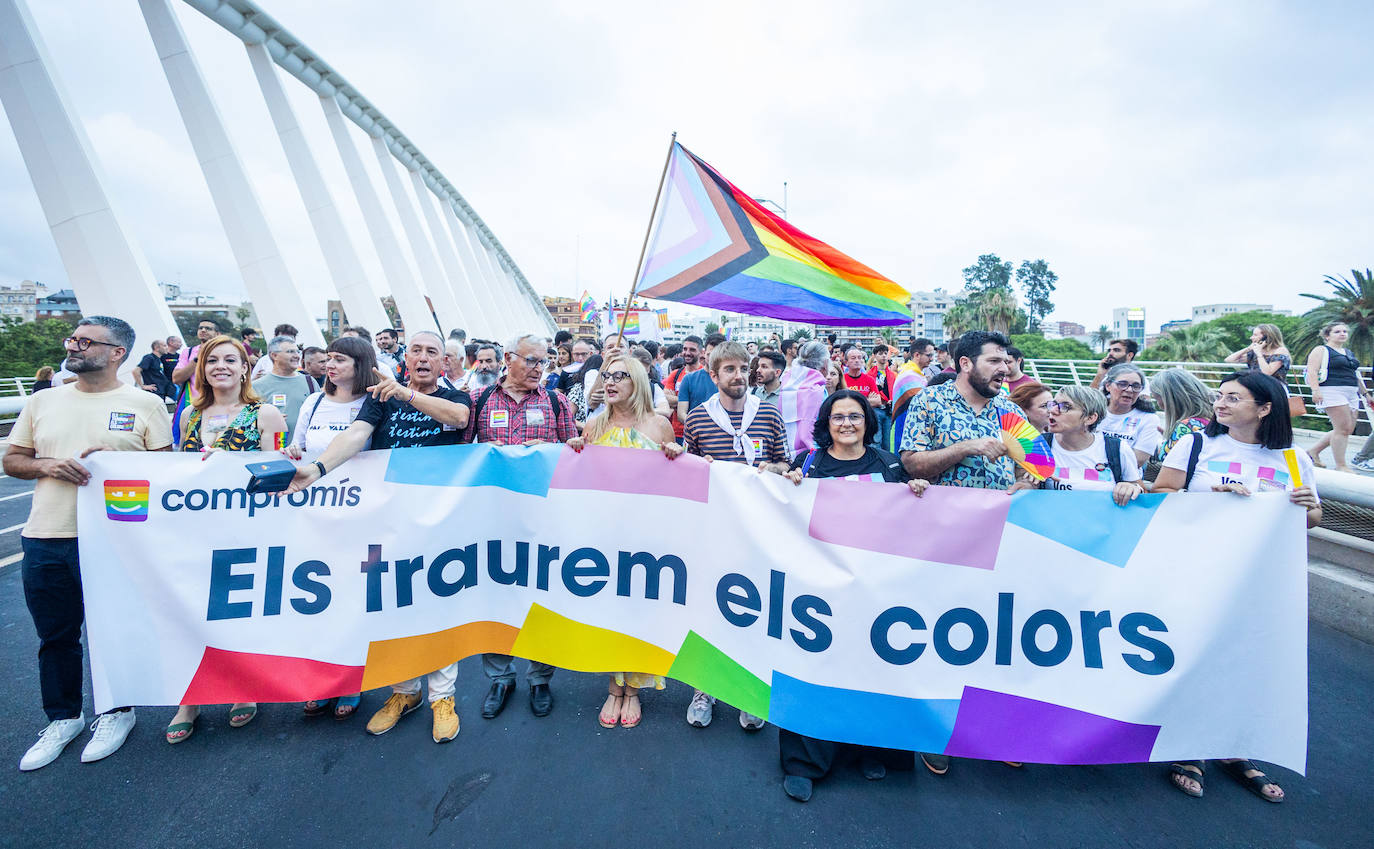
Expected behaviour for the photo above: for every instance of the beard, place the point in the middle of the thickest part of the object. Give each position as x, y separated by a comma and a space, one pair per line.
81, 365
983, 385
735, 392
483, 378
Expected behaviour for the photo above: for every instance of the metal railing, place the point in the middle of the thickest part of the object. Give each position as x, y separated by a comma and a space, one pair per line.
11, 387
1055, 373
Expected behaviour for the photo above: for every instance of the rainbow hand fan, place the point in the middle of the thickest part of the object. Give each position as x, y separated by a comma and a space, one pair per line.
1026, 446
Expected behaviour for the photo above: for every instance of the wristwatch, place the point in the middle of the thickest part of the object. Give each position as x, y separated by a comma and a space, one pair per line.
320, 466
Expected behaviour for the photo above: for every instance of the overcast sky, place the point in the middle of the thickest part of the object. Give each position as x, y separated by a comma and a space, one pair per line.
1158, 155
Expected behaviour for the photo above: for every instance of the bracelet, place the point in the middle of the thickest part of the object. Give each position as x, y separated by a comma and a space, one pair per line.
411, 399
320, 466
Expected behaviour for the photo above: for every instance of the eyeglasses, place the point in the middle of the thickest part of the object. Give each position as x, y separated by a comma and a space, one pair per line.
615, 376
1228, 398
81, 343
1057, 407
1128, 386
846, 418
534, 362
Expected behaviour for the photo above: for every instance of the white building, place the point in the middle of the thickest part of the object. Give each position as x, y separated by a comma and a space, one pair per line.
928, 314
1207, 312
1129, 323
20, 301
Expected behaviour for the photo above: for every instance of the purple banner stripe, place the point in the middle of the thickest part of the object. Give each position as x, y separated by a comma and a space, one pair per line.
996, 726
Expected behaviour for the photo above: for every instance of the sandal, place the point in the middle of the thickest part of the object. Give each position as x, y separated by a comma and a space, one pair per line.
613, 703
241, 715
180, 732
345, 706
626, 723
1181, 770
1316, 460
316, 707
1254, 783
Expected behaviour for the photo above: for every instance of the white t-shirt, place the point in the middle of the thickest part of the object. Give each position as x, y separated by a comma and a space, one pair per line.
1088, 469
1223, 460
1140, 430
316, 426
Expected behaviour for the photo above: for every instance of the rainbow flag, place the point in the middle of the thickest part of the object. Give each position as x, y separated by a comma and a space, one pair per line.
714, 246
588, 306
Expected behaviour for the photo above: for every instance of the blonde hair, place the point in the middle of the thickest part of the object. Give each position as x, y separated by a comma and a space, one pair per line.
207, 397
1272, 336
640, 402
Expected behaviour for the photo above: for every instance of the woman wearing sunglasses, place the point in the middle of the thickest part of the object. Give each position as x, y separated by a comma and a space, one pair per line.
629, 421
1240, 451
1129, 415
845, 432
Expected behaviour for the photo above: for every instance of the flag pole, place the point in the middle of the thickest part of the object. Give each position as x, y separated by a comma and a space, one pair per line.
648, 231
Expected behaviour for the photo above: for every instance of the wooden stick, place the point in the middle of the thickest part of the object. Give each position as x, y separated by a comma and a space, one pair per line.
648, 231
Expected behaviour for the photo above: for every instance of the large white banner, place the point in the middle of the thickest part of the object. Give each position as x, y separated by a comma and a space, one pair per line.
1049, 627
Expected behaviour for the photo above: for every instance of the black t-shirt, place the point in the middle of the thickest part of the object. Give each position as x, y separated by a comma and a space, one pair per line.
169, 363
151, 366
396, 424
875, 461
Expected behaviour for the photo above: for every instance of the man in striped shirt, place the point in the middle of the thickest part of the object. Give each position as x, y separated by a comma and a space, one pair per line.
734, 426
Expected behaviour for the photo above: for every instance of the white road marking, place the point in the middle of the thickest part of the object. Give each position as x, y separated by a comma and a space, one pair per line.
11, 528
16, 495
11, 560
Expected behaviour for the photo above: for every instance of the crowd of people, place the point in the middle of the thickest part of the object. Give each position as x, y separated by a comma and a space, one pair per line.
928, 415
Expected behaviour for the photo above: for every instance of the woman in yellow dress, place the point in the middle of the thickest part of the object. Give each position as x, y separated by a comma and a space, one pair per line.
627, 420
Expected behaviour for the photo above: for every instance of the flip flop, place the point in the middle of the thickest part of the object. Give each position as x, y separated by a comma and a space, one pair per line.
178, 727
623, 723
1181, 769
1254, 783
615, 719
1316, 461
239, 717
345, 706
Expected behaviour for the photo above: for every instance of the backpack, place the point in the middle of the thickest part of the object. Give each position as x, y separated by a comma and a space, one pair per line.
1193, 454
486, 393
1113, 446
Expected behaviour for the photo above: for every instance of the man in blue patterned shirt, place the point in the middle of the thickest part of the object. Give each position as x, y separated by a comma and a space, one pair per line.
952, 435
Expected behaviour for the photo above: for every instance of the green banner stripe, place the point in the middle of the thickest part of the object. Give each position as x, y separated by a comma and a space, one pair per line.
713, 671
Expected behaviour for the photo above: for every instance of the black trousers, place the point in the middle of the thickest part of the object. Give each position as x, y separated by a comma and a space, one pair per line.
813, 758
52, 590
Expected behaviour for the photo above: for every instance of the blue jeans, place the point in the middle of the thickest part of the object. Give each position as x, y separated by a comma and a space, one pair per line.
52, 590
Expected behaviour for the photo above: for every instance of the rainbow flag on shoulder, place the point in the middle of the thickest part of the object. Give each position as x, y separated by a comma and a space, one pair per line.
713, 245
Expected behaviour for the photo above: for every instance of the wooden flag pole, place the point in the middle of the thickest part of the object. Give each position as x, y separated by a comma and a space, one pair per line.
648, 231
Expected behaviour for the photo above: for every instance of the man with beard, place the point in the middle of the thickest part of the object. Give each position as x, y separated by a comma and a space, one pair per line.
389, 356
485, 371
952, 434
56, 427
416, 415
691, 362
520, 411
734, 426
768, 373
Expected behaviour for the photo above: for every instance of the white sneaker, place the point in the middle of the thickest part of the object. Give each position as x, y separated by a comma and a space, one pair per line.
108, 733
1363, 465
51, 742
699, 711
749, 722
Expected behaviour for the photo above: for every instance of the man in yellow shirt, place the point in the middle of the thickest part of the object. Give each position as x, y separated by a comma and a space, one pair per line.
54, 431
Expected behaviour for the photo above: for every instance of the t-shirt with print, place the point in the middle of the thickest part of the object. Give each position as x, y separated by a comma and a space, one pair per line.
1223, 460
285, 393
706, 438
1089, 469
1137, 429
396, 424
863, 384
62, 422
696, 389
939, 417
321, 419
876, 464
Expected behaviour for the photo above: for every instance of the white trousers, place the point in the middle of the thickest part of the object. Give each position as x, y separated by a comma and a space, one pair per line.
442, 683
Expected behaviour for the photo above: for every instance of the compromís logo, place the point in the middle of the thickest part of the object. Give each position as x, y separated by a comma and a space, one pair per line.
126, 501
342, 494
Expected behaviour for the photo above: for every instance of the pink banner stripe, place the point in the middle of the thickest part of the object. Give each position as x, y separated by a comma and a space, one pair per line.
954, 525
633, 471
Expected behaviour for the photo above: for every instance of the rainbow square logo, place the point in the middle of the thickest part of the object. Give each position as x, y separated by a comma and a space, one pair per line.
126, 501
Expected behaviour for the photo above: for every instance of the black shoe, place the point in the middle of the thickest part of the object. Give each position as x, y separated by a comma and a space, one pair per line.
541, 699
937, 764
798, 787
873, 769
495, 701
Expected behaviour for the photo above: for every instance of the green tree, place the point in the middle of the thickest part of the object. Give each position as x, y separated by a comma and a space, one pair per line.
1200, 343
989, 272
997, 309
1352, 302
26, 347
188, 321
1037, 347
1236, 327
712, 327
1101, 336
801, 334
961, 317
1037, 284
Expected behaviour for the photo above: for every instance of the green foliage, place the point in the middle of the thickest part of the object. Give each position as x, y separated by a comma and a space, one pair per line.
1101, 336
1200, 343
1235, 328
188, 321
989, 272
1037, 284
801, 334
712, 327
26, 347
1351, 302
1037, 347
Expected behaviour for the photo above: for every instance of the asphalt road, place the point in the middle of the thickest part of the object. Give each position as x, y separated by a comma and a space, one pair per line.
288, 781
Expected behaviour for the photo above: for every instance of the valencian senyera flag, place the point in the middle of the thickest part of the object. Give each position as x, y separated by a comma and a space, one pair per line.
714, 246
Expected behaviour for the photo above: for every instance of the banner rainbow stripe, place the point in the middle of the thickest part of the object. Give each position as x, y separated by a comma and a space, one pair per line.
715, 246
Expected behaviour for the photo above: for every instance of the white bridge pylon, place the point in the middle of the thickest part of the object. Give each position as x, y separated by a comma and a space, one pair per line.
465, 278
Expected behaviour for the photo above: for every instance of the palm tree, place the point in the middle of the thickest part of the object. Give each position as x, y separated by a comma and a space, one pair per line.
997, 308
889, 336
1351, 303
1196, 344
959, 318
801, 334
1102, 336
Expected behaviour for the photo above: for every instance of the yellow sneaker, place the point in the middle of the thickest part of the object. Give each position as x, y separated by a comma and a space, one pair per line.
445, 720
395, 707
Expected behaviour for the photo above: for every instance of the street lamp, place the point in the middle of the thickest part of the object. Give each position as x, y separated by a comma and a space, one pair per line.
779, 207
